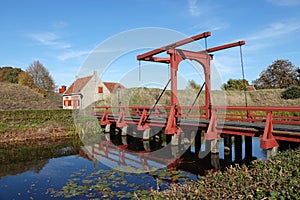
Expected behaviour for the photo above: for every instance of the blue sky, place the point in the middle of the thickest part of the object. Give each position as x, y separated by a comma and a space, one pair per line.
61, 33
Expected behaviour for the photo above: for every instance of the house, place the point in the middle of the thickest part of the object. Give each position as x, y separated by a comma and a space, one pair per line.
84, 91
113, 87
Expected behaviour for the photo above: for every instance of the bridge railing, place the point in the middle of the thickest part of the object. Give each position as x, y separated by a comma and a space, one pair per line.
280, 115
192, 112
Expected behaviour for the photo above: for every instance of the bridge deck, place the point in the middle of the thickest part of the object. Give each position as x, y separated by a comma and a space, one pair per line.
280, 131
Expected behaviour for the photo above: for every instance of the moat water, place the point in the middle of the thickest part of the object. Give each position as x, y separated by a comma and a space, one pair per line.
67, 169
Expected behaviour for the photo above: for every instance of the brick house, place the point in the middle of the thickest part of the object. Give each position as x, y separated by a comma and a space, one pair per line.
84, 91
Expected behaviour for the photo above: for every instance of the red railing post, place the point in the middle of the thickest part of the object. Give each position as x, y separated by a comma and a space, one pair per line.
121, 119
104, 119
172, 127
212, 132
268, 141
143, 125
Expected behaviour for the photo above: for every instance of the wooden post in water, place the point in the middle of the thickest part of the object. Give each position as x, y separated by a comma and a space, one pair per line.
238, 150
227, 149
198, 141
248, 148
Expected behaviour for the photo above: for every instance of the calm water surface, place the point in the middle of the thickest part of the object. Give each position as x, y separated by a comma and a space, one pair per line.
66, 170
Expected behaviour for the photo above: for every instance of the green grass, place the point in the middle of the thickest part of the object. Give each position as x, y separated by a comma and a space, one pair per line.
21, 125
274, 179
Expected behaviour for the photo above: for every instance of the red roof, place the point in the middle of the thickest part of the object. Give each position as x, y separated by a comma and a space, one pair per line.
78, 85
113, 86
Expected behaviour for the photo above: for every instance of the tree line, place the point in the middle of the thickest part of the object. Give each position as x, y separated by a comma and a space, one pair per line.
280, 74
36, 77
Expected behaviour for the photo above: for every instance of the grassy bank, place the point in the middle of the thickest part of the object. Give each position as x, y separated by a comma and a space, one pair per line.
18, 97
275, 179
148, 96
27, 125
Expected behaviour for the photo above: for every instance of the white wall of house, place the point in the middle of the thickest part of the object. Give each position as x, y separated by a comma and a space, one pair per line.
90, 91
71, 102
88, 94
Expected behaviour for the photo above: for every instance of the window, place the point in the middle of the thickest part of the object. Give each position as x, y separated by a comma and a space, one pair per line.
67, 102
100, 89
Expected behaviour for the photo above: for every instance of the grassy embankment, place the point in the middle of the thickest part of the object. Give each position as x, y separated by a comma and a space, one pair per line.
29, 125
148, 96
26, 115
275, 179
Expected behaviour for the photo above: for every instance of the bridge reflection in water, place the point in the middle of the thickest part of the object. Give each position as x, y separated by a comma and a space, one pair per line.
132, 153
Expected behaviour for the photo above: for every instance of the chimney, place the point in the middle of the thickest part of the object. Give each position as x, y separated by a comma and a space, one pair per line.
62, 89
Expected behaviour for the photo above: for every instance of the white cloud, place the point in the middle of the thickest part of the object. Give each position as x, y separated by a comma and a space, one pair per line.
194, 10
272, 34
72, 54
276, 30
49, 39
285, 2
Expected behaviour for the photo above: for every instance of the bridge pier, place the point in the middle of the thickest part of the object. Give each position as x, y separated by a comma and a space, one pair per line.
215, 161
227, 149
227, 143
107, 128
215, 144
124, 131
271, 152
146, 134
248, 148
198, 141
238, 149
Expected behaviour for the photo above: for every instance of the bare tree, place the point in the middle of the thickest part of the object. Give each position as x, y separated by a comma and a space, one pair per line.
41, 76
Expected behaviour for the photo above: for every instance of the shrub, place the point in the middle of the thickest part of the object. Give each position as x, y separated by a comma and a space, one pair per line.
291, 93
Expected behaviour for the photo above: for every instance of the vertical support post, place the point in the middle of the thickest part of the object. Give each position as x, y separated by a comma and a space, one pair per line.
238, 150
248, 148
207, 89
172, 127
198, 142
227, 149
174, 59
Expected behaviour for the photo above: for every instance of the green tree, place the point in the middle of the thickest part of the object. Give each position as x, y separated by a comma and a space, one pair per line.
235, 84
42, 79
291, 93
9, 74
193, 85
280, 74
